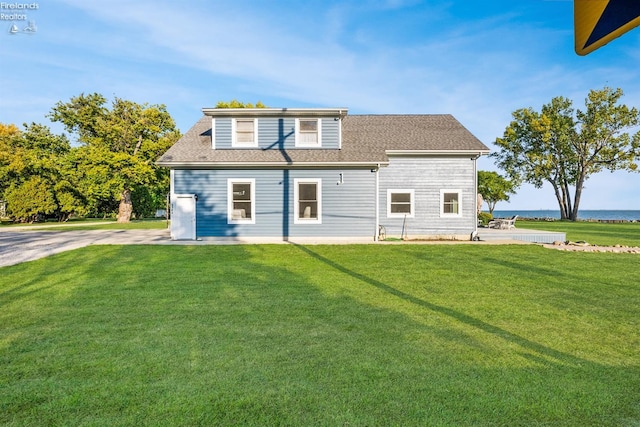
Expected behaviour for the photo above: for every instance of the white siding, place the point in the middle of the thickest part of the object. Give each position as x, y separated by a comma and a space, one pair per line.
427, 176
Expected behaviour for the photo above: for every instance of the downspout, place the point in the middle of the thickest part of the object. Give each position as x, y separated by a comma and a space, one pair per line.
171, 200
377, 230
474, 235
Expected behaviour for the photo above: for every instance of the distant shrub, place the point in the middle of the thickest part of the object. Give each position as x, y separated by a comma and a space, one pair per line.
484, 218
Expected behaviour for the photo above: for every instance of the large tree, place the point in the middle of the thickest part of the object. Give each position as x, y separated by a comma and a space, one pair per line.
494, 188
119, 146
564, 147
33, 178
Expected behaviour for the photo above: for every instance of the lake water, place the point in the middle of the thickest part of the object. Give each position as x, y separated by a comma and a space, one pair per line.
586, 214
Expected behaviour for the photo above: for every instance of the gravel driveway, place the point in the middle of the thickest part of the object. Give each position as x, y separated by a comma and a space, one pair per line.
21, 246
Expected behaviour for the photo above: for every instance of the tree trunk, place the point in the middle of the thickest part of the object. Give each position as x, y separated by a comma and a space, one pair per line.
561, 200
576, 198
126, 206
567, 196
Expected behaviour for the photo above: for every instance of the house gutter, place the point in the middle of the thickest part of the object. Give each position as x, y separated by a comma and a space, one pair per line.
276, 112
268, 165
476, 153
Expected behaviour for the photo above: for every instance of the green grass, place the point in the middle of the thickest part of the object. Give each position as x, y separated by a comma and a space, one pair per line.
595, 233
93, 224
358, 335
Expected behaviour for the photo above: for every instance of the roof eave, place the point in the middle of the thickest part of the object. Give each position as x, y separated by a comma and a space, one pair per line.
276, 112
436, 152
269, 165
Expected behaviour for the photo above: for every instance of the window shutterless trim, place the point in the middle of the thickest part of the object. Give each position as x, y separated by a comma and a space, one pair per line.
233, 215
412, 202
234, 134
296, 201
299, 133
458, 203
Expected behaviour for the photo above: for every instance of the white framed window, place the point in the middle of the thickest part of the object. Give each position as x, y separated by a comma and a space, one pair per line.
307, 208
244, 133
308, 132
400, 203
241, 201
451, 203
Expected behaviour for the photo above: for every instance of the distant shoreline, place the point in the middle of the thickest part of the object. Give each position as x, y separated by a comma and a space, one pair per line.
587, 215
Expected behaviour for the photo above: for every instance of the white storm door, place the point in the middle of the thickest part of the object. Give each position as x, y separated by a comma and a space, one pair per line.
183, 217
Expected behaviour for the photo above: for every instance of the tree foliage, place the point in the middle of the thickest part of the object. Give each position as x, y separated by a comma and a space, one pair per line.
234, 103
111, 167
33, 178
494, 188
564, 147
118, 148
11, 162
31, 198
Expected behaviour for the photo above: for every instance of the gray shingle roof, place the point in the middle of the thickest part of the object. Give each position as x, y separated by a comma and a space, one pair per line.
366, 139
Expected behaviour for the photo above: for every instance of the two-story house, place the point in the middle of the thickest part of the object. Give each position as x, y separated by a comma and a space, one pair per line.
319, 173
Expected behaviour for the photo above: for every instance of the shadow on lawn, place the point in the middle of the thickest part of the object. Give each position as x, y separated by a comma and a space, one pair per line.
461, 317
43, 277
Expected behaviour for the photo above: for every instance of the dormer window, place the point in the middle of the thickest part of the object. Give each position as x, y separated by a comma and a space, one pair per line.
308, 133
245, 133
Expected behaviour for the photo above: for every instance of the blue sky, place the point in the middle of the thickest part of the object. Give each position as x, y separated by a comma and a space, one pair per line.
479, 61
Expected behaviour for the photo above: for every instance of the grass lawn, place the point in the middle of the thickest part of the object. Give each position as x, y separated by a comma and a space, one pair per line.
595, 233
92, 224
361, 335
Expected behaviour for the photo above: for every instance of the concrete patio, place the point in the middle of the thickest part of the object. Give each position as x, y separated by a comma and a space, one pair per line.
521, 234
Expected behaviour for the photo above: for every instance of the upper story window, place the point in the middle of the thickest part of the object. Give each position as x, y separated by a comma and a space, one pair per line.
245, 133
308, 133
